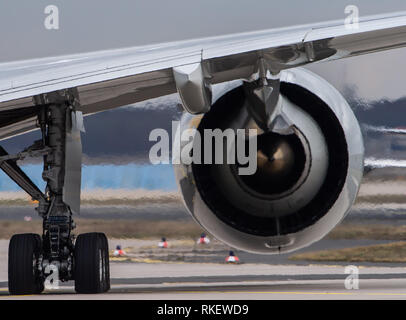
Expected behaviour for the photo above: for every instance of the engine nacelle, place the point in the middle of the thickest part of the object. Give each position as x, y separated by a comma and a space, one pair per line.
297, 195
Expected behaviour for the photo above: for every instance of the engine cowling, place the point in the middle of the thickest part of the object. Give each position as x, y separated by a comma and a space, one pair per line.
300, 192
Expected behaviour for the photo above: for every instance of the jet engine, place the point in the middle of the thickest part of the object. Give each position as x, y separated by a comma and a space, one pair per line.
307, 177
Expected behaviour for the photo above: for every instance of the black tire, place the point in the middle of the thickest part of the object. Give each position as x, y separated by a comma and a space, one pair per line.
23, 254
92, 272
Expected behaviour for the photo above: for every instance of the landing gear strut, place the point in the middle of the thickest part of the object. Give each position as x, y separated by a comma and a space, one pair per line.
33, 259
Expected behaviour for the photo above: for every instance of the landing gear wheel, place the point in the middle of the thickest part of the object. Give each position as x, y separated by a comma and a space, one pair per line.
92, 272
23, 256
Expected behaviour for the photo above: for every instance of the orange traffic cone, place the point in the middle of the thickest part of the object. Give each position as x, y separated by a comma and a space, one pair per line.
203, 239
163, 243
232, 258
119, 252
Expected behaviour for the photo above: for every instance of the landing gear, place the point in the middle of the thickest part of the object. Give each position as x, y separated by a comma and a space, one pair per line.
92, 263
24, 276
32, 258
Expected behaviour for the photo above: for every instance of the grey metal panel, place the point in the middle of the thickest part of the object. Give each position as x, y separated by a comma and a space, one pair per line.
73, 162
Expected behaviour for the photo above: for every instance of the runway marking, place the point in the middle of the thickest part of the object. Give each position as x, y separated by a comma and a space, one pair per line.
18, 296
143, 260
240, 292
296, 293
271, 292
386, 294
116, 289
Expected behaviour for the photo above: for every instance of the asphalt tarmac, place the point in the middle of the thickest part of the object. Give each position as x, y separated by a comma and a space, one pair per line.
184, 281
259, 277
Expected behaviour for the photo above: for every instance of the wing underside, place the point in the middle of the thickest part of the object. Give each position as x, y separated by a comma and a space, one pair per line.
114, 78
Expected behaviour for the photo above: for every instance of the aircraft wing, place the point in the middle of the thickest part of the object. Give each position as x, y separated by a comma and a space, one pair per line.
113, 78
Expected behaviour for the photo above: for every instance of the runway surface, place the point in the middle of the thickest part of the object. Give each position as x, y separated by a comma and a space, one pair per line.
259, 277
183, 281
